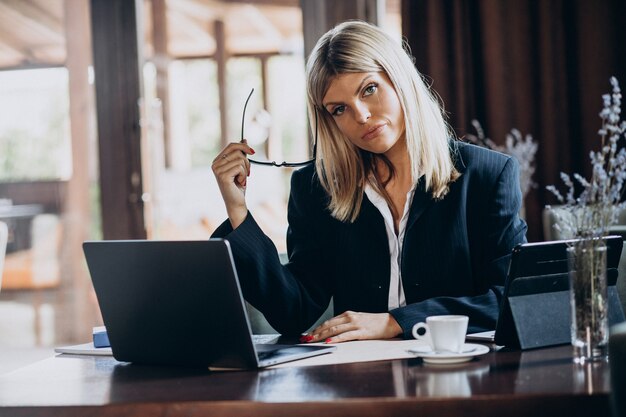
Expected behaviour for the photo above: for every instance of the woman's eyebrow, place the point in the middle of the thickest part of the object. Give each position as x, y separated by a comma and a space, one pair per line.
356, 93
362, 83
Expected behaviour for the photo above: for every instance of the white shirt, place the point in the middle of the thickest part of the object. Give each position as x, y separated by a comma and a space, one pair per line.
396, 290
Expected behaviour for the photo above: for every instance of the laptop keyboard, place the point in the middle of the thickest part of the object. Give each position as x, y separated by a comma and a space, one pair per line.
265, 355
264, 339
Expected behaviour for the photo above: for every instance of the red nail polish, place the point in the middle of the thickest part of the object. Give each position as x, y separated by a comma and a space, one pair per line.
327, 340
252, 151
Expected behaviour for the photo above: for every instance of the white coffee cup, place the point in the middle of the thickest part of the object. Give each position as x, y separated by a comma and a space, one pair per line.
443, 333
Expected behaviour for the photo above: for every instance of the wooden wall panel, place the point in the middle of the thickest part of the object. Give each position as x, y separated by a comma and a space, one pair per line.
118, 90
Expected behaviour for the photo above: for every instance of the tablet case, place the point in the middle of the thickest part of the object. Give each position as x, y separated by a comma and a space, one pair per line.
535, 311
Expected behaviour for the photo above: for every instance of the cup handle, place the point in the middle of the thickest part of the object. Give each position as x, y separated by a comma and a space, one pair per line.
419, 326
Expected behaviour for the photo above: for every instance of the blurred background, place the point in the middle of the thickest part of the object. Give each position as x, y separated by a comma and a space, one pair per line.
111, 112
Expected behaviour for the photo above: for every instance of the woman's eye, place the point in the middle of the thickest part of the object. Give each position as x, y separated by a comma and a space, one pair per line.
338, 111
370, 89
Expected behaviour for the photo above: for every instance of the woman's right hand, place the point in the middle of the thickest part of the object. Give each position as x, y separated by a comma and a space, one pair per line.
231, 169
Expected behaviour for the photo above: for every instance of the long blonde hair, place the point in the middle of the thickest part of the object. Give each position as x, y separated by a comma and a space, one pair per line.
342, 167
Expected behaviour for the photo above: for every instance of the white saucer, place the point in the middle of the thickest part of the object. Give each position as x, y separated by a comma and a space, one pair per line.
469, 351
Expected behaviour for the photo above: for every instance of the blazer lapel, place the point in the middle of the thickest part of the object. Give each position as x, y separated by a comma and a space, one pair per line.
373, 222
421, 201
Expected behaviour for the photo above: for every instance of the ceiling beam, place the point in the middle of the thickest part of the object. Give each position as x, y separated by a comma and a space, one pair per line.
206, 11
34, 12
283, 3
191, 28
10, 47
259, 21
27, 24
11, 42
29, 66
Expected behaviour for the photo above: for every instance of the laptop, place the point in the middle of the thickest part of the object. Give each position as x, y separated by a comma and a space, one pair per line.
179, 303
538, 276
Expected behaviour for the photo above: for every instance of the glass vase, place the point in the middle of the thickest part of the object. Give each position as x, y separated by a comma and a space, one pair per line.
588, 299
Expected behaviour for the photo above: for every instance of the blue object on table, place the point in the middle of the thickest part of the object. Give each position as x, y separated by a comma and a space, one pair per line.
100, 337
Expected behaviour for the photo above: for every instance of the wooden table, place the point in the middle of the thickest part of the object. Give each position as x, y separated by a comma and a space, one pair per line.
541, 382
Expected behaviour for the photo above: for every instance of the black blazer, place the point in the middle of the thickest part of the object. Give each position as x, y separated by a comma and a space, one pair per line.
454, 261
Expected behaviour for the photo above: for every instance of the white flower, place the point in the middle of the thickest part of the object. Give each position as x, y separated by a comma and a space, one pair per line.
598, 204
521, 148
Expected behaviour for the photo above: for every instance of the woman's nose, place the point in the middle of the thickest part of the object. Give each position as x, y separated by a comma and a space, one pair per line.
362, 113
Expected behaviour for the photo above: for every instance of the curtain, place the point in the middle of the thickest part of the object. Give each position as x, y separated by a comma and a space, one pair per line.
538, 66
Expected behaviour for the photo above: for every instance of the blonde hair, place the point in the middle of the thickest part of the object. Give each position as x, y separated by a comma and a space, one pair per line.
342, 167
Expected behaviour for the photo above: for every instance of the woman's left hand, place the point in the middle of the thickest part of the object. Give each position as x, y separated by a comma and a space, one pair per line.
355, 326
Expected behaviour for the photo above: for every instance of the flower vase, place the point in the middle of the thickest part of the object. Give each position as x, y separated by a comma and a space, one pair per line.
588, 299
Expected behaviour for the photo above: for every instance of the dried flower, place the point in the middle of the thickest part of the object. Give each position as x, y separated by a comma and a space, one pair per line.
521, 148
596, 209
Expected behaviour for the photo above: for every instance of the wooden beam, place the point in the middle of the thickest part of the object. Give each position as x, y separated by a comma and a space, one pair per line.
260, 22
118, 91
161, 59
283, 3
10, 41
29, 66
191, 28
206, 10
37, 14
221, 57
234, 55
266, 100
27, 24
76, 218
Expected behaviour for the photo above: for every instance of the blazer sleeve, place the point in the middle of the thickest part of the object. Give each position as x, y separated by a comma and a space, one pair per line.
293, 296
501, 230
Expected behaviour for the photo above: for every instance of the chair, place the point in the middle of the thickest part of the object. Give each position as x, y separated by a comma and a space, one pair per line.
617, 361
4, 237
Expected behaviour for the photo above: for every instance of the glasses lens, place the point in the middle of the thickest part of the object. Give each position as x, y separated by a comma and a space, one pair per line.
274, 163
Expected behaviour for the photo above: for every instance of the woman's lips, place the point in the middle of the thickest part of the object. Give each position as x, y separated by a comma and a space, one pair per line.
373, 132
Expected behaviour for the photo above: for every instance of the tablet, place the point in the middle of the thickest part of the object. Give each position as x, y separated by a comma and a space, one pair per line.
535, 310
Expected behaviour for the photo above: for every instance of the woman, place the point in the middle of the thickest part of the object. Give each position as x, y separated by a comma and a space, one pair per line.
396, 221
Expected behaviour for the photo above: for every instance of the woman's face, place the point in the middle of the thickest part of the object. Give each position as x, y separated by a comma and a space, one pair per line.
366, 109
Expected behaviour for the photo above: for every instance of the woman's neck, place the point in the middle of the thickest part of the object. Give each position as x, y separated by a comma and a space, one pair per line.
398, 156
396, 189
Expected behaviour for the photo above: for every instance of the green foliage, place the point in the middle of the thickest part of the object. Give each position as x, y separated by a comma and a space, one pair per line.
27, 155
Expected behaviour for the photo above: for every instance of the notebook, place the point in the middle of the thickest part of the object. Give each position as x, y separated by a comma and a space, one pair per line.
179, 303
541, 269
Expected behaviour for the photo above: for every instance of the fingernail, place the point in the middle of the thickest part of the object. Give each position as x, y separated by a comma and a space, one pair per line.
252, 151
306, 338
327, 340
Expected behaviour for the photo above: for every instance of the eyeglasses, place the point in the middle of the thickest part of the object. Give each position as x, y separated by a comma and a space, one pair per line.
274, 163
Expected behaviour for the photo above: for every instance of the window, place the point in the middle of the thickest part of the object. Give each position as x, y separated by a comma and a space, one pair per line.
34, 125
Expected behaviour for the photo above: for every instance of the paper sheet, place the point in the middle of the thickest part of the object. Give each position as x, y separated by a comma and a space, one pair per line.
347, 352
359, 351
84, 349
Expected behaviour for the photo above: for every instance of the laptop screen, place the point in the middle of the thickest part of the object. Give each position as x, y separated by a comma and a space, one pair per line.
175, 303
